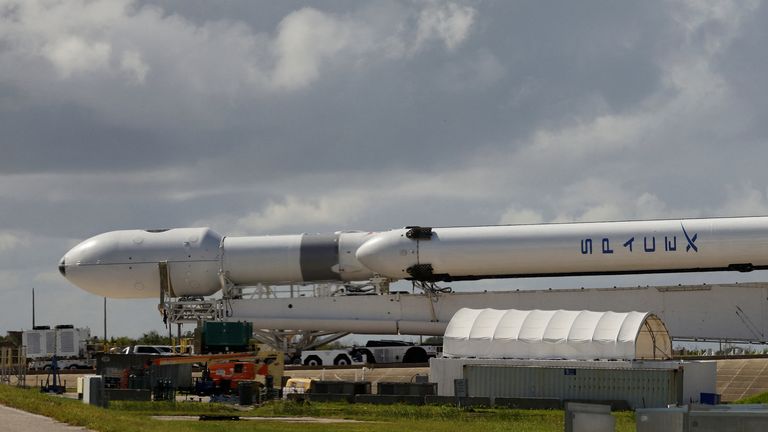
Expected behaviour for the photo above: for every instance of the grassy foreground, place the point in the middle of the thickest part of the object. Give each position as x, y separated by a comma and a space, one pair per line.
761, 398
136, 417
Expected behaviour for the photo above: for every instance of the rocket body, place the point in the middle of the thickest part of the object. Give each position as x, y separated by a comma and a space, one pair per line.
464, 253
199, 261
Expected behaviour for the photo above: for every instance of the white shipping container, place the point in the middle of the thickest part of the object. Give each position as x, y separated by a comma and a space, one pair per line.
653, 388
64, 342
39, 343
72, 342
546, 376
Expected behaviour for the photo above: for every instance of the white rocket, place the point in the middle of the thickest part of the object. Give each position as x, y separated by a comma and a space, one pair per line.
198, 262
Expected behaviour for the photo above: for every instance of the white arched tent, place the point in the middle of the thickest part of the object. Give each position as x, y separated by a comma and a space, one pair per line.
558, 334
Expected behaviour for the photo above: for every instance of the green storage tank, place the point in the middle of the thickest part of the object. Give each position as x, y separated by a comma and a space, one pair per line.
226, 336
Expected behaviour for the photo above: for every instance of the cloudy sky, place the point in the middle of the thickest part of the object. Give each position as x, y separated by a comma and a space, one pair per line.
264, 117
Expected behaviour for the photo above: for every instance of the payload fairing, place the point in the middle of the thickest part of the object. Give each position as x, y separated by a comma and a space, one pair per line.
199, 262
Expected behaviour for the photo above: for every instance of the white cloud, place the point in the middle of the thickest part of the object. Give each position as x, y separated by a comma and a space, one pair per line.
480, 71
694, 15
306, 38
419, 112
604, 200
10, 241
117, 38
744, 200
516, 215
446, 22
48, 277
603, 133
133, 65
172, 183
693, 95
295, 211
72, 55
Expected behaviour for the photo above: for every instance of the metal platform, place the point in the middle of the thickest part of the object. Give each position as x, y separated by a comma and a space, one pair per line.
721, 312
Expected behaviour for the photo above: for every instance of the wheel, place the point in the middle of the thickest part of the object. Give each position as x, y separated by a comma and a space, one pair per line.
313, 360
415, 355
357, 355
369, 358
342, 360
363, 356
47, 367
72, 367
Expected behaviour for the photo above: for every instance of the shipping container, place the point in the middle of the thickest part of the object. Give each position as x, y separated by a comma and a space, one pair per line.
638, 387
642, 383
39, 343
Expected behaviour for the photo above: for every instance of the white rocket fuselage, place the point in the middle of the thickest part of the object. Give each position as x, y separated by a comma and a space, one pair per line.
125, 264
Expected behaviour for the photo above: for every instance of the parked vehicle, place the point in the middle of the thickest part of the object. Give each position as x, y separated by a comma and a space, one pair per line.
149, 349
382, 351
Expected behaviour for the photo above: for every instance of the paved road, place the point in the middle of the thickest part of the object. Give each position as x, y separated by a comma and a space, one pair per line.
13, 420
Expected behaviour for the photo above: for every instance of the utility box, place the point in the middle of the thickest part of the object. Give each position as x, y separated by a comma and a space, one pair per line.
221, 337
709, 399
661, 419
581, 417
93, 391
730, 420
81, 385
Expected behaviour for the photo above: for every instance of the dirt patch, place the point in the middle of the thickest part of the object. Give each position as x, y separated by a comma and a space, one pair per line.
279, 419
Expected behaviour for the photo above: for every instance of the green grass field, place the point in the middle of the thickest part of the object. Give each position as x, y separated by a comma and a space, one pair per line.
136, 416
761, 398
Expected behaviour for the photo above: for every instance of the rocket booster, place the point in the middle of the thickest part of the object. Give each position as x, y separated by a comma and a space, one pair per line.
199, 262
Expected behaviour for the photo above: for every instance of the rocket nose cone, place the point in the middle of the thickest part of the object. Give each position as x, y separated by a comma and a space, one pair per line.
367, 253
98, 249
81, 264
387, 254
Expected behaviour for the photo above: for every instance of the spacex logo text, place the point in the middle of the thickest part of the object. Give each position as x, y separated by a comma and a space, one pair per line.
644, 244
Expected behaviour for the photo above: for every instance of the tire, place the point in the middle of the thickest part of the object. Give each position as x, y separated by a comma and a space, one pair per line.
368, 356
342, 360
313, 360
415, 355
72, 367
362, 356
47, 368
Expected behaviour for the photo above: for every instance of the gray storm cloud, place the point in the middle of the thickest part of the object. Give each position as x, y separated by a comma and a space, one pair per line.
279, 117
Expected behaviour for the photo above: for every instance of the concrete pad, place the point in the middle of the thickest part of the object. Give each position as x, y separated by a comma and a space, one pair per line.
739, 378
13, 420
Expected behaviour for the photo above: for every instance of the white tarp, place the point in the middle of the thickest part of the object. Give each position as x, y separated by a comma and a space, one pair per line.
559, 334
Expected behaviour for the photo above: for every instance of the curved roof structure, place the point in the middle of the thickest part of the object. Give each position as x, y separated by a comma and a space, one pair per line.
557, 334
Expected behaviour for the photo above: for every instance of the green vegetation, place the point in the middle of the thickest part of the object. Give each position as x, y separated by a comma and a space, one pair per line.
761, 398
136, 416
